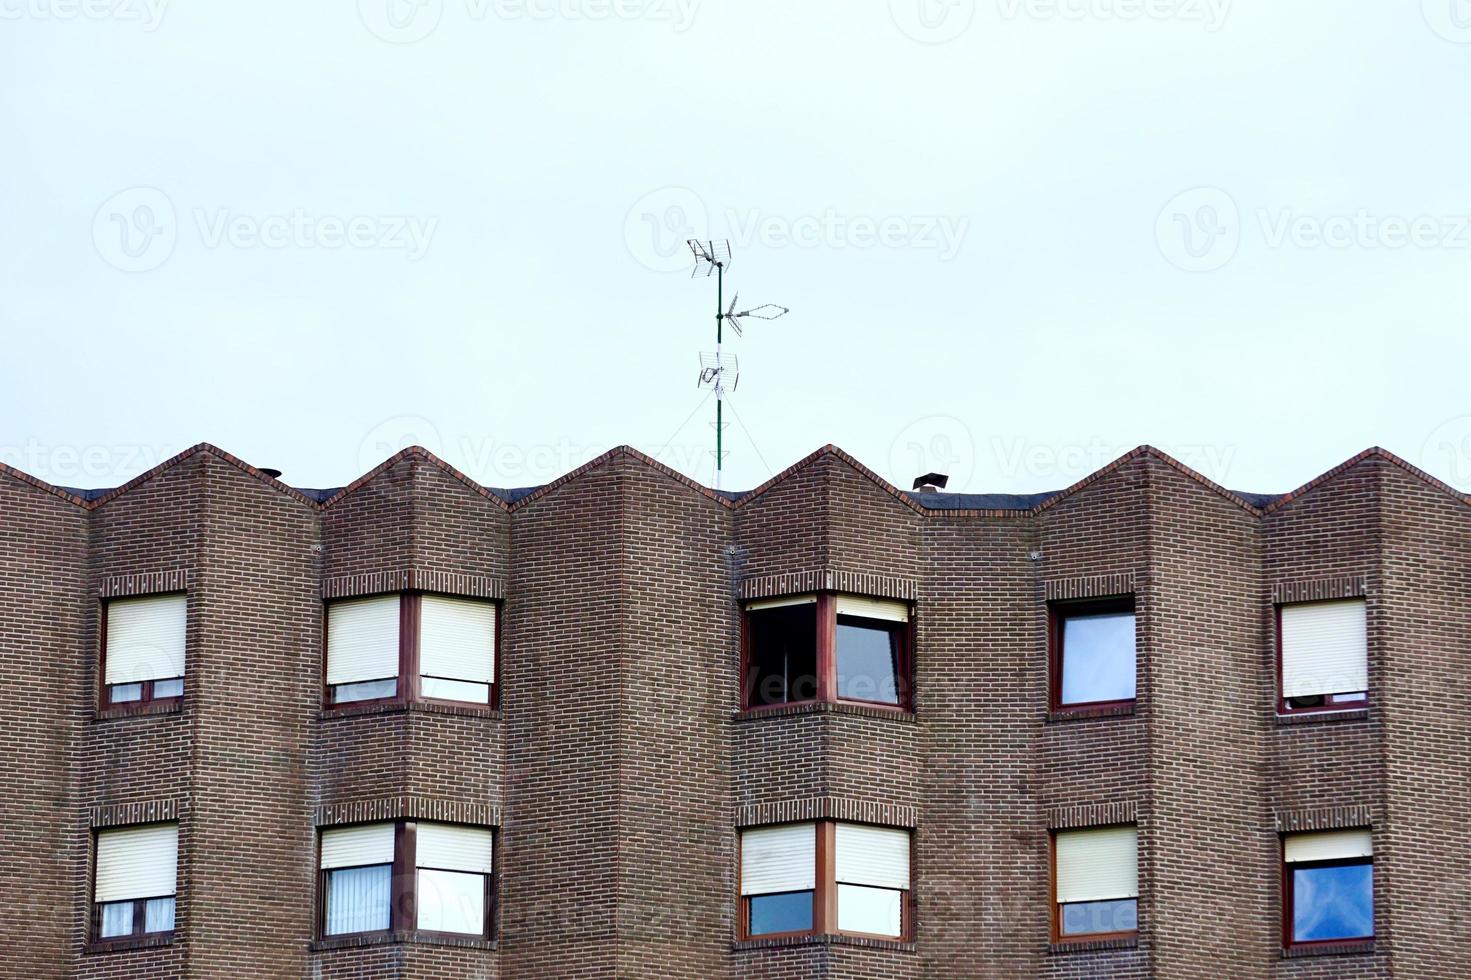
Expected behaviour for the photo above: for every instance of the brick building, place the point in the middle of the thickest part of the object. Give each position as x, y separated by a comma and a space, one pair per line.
624, 726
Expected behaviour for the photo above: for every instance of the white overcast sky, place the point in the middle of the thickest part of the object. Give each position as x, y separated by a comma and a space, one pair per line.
1018, 237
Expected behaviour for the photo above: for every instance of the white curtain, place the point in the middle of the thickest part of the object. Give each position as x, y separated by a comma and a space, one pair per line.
358, 899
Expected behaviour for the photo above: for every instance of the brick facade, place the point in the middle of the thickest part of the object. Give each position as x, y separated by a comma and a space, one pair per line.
618, 765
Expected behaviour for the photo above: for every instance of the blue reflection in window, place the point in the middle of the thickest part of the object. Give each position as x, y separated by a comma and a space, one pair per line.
787, 912
1332, 903
1098, 658
1083, 918
868, 665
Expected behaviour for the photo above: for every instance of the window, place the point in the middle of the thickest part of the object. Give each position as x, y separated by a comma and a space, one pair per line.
1324, 653
449, 889
1095, 883
824, 647
825, 877
1093, 653
143, 649
411, 647
133, 882
1328, 887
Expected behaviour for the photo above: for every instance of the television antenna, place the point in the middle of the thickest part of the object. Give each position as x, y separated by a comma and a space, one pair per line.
719, 371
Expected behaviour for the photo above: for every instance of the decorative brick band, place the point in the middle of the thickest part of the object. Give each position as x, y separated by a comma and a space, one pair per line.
144, 583
142, 811
408, 808
1092, 815
1324, 818
830, 580
425, 579
1311, 590
1089, 586
827, 808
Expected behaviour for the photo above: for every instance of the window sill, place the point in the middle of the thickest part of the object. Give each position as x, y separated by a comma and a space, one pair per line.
128, 945
402, 938
1099, 711
1093, 945
1349, 947
138, 710
402, 707
824, 939
1313, 717
825, 707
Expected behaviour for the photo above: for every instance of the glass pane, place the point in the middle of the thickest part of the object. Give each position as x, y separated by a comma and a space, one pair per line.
365, 690
1349, 698
449, 690
876, 911
1082, 918
451, 901
159, 915
783, 655
357, 899
788, 912
171, 688
1333, 903
120, 693
868, 655
117, 920
1098, 658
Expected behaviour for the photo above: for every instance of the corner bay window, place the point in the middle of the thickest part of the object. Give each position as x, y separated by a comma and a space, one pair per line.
133, 882
445, 885
143, 649
1093, 653
411, 646
1324, 651
825, 877
826, 647
1095, 883
1328, 887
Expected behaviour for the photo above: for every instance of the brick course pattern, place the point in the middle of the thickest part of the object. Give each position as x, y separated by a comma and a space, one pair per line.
618, 765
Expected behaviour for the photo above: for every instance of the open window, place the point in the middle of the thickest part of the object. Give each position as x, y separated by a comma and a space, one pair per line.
1323, 649
1327, 887
1094, 661
827, 647
1095, 875
143, 642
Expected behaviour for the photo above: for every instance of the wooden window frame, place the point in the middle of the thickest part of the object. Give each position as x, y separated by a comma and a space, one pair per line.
408, 686
403, 908
827, 660
1289, 900
1058, 613
95, 939
825, 888
1058, 937
145, 703
1283, 707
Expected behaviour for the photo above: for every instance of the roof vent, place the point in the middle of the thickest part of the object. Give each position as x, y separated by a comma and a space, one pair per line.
273, 474
931, 482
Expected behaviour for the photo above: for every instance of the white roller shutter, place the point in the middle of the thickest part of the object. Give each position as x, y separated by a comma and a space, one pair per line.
887, 609
777, 603
145, 638
362, 639
779, 859
457, 639
1332, 845
1325, 648
352, 847
137, 862
875, 856
451, 847
1097, 865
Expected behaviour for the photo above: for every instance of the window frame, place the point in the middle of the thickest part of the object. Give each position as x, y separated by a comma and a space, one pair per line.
145, 703
1059, 938
403, 907
1058, 613
1283, 707
95, 939
408, 682
825, 887
827, 658
1289, 899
